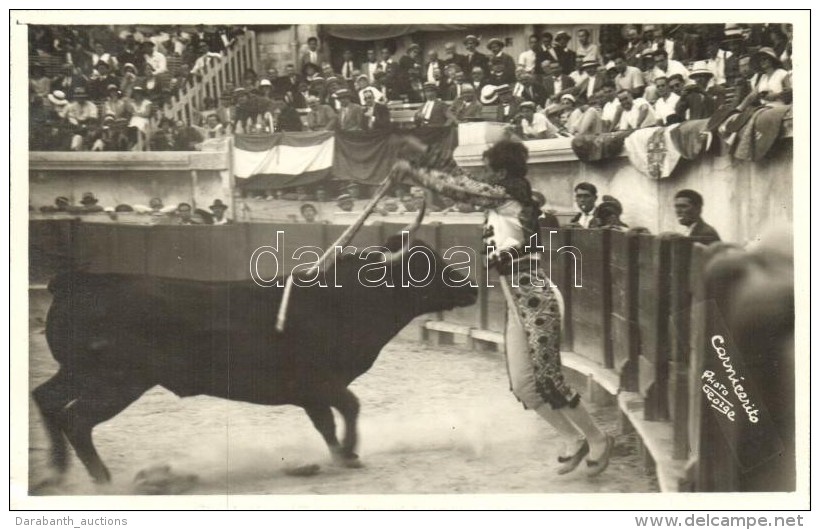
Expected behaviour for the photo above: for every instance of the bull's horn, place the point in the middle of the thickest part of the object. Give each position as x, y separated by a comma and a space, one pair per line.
396, 257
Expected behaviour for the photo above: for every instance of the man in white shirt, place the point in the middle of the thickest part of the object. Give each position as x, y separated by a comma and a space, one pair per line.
636, 114
532, 125
611, 112
371, 65
528, 59
628, 77
666, 67
587, 50
578, 75
665, 104
432, 64
154, 58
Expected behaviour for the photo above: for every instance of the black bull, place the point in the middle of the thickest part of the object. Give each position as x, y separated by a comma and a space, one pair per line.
117, 336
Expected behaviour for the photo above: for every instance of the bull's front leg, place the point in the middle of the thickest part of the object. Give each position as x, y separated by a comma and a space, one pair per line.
347, 404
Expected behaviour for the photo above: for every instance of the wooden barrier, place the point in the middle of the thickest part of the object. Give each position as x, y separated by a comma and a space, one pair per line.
623, 267
680, 309
653, 311
591, 303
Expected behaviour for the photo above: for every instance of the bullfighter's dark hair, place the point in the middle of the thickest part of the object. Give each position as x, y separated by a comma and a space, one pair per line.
586, 186
692, 195
512, 156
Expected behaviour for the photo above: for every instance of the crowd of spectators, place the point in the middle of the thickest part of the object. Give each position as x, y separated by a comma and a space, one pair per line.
112, 87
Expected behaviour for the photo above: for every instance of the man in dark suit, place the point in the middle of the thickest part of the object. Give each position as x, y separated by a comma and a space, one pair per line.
507, 104
347, 67
585, 196
475, 58
566, 57
434, 112
529, 91
376, 115
593, 83
451, 56
350, 116
371, 65
496, 46
478, 79
688, 207
555, 82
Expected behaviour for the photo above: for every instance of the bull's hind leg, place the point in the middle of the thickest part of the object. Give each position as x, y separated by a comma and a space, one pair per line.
322, 418
100, 401
51, 397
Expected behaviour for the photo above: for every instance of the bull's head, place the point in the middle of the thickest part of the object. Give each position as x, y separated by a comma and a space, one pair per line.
422, 278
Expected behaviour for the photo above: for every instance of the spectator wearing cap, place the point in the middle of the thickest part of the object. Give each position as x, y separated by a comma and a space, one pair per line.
310, 56
320, 117
114, 105
345, 202
688, 209
129, 80
350, 116
593, 83
218, 209
376, 114
664, 66
498, 56
411, 60
586, 195
566, 56
696, 101
467, 107
586, 49
770, 84
473, 57
434, 112
508, 104
555, 82
531, 125
265, 89
628, 77
666, 104
88, 204
158, 62
636, 113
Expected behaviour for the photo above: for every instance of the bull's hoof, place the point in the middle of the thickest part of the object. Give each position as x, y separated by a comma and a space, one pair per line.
303, 471
44, 486
350, 461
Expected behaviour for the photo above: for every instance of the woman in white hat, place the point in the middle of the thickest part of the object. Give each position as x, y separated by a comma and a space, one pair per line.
770, 84
534, 304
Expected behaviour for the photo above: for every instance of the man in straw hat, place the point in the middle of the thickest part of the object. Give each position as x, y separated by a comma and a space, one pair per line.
594, 81
351, 116
698, 100
474, 58
496, 46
